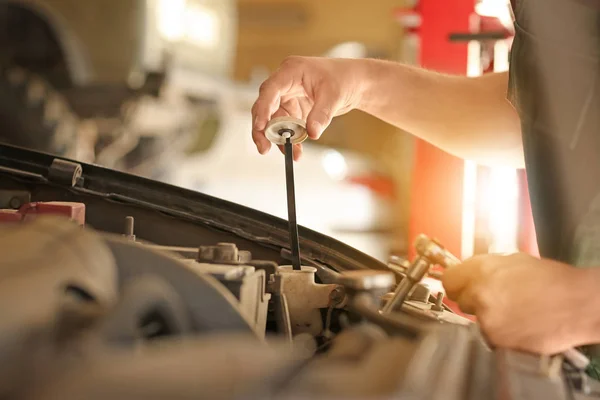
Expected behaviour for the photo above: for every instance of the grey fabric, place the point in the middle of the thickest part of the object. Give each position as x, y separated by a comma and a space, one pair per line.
554, 85
555, 66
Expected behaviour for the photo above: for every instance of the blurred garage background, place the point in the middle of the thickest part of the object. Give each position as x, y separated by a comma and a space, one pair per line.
163, 89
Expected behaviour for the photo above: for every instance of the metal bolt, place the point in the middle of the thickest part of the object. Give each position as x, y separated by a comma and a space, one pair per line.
337, 295
129, 228
439, 305
15, 202
129, 221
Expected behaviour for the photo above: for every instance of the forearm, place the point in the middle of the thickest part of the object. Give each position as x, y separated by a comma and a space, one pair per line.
585, 310
467, 117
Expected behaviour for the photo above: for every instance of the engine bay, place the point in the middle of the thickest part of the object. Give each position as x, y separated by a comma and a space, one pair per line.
121, 287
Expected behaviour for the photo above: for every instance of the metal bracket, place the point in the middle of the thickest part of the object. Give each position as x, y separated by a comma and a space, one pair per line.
65, 172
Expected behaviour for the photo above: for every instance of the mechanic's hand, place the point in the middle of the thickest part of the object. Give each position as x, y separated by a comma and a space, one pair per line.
311, 89
522, 302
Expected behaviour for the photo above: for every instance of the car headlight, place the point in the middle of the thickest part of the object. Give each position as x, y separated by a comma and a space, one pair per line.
188, 21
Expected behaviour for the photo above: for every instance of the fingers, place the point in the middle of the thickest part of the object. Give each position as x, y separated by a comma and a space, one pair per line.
327, 103
280, 84
262, 110
290, 108
305, 107
298, 149
466, 301
301, 90
458, 278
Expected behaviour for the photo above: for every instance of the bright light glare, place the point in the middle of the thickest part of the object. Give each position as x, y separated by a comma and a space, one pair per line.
501, 52
170, 16
503, 201
335, 165
495, 8
201, 26
474, 49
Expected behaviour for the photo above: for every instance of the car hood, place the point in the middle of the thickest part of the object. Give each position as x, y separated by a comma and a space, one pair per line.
166, 214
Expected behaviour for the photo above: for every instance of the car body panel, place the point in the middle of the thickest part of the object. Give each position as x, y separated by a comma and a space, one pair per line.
199, 218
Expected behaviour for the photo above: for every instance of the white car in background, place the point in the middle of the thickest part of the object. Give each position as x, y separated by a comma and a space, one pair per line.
331, 194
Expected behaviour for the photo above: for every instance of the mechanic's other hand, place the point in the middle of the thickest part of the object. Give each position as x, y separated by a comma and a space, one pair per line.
522, 302
308, 88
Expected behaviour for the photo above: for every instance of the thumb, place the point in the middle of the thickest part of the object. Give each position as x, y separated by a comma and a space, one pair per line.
323, 111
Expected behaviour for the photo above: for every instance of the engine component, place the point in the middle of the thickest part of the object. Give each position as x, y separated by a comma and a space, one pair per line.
399, 265
372, 281
95, 316
223, 253
439, 302
435, 252
245, 278
248, 285
40, 278
305, 298
210, 305
13, 199
10, 216
148, 308
74, 211
414, 274
429, 253
420, 293
281, 310
129, 228
64, 172
427, 309
400, 262
216, 367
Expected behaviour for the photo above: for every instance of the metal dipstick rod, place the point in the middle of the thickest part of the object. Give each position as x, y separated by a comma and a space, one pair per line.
286, 131
291, 198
